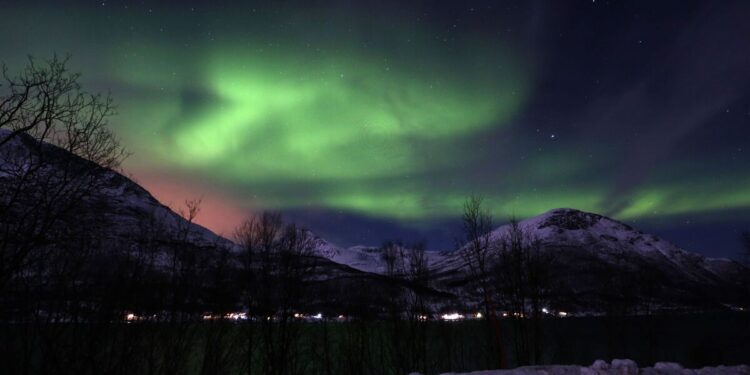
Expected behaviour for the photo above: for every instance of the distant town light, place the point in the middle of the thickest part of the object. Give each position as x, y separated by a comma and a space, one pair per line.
236, 316
452, 316
318, 316
562, 314
479, 315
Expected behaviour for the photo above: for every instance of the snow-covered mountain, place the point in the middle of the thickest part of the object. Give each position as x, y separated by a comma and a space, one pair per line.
120, 219
370, 258
592, 256
564, 230
606, 238
120, 206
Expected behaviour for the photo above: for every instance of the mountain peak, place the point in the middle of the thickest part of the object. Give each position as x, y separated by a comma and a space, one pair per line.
569, 218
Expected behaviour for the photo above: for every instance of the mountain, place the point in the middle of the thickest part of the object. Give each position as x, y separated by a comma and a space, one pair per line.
370, 258
109, 198
120, 242
595, 260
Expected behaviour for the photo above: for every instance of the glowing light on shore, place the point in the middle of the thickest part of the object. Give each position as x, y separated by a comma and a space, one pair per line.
236, 316
451, 317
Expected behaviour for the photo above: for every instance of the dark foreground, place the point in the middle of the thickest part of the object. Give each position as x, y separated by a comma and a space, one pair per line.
358, 347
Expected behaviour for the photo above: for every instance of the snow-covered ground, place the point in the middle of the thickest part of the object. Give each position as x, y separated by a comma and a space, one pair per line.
617, 367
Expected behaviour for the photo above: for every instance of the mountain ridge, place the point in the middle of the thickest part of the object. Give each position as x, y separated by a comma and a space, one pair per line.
588, 249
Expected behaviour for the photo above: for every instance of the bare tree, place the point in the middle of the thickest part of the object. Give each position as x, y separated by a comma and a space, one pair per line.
247, 236
476, 250
522, 274
477, 245
257, 237
183, 261
277, 262
43, 110
185, 276
56, 152
391, 253
46, 102
407, 308
417, 309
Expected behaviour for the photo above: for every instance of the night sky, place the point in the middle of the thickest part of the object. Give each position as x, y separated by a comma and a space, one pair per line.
368, 120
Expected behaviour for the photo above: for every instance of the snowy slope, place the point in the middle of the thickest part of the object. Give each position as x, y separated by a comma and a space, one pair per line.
616, 367
126, 215
595, 257
591, 254
368, 258
560, 228
589, 250
117, 208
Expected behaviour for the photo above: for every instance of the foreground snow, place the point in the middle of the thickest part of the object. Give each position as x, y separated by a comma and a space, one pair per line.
617, 367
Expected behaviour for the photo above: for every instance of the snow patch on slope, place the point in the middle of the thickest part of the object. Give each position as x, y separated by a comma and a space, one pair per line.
365, 258
617, 367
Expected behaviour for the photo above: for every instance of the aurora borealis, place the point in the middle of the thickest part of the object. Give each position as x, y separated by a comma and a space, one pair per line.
371, 120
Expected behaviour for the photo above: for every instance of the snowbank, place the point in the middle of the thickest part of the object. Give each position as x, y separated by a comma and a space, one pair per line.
617, 367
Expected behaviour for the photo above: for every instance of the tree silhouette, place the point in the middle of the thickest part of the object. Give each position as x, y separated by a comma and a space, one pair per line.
43, 113
476, 249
